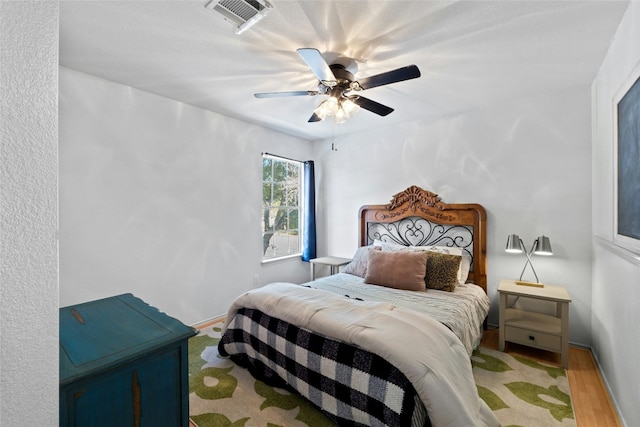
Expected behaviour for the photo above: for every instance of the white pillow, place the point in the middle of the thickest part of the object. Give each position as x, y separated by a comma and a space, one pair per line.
390, 247
453, 250
465, 266
359, 262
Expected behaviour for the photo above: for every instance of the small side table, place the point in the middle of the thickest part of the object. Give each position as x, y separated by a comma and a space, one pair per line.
334, 262
532, 329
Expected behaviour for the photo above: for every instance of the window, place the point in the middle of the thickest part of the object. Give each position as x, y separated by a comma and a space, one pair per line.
281, 207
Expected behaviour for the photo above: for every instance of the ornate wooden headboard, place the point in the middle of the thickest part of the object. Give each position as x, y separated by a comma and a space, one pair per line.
417, 217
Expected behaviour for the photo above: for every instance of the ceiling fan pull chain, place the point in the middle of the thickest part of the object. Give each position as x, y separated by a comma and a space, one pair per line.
333, 137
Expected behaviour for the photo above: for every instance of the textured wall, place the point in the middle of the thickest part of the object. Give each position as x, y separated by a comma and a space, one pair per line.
161, 199
28, 221
616, 271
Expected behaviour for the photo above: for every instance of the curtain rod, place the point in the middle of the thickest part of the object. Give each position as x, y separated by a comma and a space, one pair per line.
282, 157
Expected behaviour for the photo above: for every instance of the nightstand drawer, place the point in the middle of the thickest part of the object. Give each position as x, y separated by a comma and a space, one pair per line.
533, 338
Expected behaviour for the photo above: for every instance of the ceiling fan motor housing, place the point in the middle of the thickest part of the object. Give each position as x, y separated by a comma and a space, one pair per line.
343, 75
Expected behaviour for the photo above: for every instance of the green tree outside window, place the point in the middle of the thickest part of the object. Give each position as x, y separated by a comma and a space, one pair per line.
281, 186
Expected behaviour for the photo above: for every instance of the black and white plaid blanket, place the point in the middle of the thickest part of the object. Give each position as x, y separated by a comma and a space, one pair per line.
352, 386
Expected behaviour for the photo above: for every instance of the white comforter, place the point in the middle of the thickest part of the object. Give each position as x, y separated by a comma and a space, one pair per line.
463, 311
426, 351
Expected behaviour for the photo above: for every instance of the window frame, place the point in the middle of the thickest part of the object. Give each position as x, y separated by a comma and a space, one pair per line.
300, 195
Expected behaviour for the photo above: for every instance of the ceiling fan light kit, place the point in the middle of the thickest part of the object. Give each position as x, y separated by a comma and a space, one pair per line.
347, 108
341, 108
328, 107
338, 82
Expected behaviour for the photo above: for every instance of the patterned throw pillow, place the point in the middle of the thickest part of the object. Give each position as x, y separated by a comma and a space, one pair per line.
358, 265
465, 264
442, 271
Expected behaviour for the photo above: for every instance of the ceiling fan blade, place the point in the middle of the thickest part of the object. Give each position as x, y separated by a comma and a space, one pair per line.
318, 65
373, 106
281, 94
314, 118
394, 76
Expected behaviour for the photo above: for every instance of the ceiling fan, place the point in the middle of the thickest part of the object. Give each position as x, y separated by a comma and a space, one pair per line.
339, 83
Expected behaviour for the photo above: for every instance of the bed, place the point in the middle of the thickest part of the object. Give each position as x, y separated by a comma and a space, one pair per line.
387, 341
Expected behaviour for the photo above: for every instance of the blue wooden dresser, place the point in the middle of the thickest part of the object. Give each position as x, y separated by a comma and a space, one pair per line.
123, 363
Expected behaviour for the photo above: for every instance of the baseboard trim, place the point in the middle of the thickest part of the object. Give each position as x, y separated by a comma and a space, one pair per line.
209, 321
604, 380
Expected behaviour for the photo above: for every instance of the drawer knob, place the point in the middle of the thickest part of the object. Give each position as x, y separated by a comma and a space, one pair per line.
532, 338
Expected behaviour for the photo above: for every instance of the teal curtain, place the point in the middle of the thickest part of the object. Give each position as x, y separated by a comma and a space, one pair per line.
309, 218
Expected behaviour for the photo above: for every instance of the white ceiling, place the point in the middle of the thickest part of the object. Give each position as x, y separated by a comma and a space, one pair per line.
470, 53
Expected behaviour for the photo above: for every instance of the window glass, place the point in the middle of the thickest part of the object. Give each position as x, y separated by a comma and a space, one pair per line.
281, 195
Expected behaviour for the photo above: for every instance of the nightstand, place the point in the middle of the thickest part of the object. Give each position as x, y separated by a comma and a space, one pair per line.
332, 261
543, 331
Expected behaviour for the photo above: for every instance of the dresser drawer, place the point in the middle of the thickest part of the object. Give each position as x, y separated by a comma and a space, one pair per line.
146, 392
533, 338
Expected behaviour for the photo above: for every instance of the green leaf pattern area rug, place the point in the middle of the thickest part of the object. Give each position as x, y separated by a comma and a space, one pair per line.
522, 392
221, 394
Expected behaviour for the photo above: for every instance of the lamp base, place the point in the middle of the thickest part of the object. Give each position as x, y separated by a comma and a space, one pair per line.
525, 283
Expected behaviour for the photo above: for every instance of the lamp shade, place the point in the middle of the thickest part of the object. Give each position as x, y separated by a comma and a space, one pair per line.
543, 246
514, 244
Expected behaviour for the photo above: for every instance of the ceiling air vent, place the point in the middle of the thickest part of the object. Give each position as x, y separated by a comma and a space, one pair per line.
243, 13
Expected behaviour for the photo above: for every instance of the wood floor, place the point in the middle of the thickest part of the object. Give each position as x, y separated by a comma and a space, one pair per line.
591, 402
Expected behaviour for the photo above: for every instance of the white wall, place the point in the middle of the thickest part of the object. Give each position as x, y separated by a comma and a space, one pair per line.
527, 162
161, 199
616, 272
28, 213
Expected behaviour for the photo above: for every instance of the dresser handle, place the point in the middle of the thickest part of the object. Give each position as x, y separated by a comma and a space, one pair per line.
135, 388
532, 338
